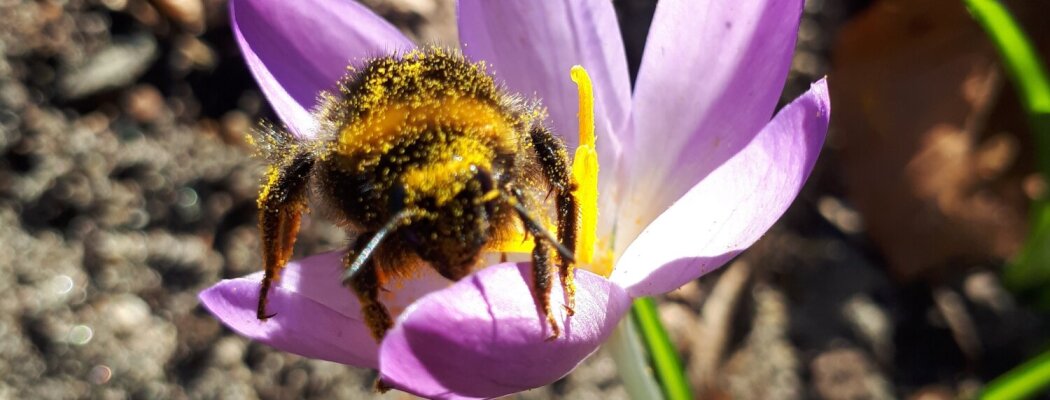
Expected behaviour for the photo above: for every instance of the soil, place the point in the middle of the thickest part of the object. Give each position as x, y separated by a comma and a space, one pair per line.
126, 188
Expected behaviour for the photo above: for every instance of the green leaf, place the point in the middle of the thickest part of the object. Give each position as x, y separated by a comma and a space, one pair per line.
1021, 382
1019, 56
665, 361
1029, 273
632, 361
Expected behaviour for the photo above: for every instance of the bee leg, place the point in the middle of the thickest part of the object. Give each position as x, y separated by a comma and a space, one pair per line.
567, 222
541, 275
554, 160
363, 278
366, 284
282, 201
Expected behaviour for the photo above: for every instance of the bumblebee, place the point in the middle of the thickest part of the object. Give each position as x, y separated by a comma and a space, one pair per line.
425, 160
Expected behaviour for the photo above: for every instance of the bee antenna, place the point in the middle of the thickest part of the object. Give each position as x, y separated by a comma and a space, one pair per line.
402, 218
537, 229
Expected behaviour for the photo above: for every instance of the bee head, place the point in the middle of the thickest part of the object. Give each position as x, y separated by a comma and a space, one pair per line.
459, 206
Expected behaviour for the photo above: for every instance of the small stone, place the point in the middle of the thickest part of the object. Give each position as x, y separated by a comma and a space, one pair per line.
115, 5
117, 65
235, 127
126, 313
192, 53
229, 351
187, 13
848, 373
13, 96
144, 103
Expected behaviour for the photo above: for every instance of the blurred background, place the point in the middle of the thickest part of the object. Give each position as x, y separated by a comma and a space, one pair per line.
126, 187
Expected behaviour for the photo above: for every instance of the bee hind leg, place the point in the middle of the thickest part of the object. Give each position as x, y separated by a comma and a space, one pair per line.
554, 160
282, 201
541, 275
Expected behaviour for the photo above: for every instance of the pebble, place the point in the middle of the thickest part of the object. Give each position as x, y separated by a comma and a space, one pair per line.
119, 64
144, 103
192, 53
126, 312
847, 373
229, 351
187, 13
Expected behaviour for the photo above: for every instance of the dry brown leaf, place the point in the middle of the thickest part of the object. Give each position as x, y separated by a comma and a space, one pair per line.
930, 148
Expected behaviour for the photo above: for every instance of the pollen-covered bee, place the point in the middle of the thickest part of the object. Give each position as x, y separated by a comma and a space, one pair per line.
424, 159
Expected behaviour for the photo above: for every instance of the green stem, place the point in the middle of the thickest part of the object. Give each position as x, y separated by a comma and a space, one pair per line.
1021, 382
632, 361
1029, 272
1019, 55
664, 357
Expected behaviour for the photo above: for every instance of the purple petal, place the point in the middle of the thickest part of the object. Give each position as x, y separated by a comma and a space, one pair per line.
298, 48
733, 206
484, 337
531, 46
316, 316
301, 326
710, 79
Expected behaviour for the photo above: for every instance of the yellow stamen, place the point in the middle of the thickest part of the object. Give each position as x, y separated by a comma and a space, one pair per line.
585, 177
585, 170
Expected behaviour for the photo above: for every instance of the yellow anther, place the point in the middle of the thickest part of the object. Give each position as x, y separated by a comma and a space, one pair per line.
585, 177
586, 111
585, 170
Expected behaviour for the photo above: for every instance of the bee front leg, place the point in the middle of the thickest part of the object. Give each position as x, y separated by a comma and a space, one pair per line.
366, 284
282, 201
362, 276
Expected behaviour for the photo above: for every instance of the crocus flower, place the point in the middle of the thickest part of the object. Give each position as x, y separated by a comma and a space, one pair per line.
693, 171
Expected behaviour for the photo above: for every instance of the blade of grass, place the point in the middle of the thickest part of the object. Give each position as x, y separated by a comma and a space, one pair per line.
1028, 274
1021, 382
1030, 270
1019, 56
664, 357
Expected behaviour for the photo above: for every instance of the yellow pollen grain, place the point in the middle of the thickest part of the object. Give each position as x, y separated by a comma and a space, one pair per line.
517, 241
272, 174
585, 170
375, 133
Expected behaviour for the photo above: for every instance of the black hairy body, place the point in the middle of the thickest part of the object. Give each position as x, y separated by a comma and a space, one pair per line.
426, 161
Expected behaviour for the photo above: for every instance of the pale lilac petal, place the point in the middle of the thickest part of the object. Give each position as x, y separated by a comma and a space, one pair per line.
298, 48
484, 337
733, 206
710, 78
316, 316
301, 326
532, 45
